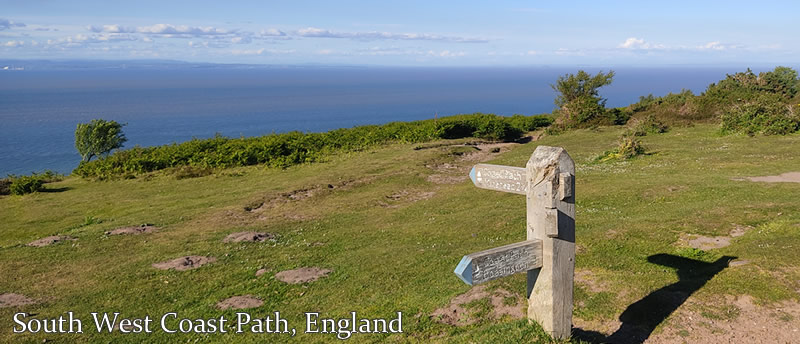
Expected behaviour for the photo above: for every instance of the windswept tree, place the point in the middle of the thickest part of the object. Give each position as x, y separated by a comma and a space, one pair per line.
578, 98
571, 87
98, 138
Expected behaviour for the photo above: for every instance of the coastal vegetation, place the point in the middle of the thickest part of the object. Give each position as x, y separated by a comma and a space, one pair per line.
25, 184
287, 149
765, 103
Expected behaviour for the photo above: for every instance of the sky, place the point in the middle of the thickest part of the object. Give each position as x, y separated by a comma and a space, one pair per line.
406, 33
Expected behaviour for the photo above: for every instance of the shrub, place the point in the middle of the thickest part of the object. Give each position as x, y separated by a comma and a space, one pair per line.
648, 125
582, 112
5, 186
768, 114
629, 146
673, 108
25, 185
529, 123
781, 82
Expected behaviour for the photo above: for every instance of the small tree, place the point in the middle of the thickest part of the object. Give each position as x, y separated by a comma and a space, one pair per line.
571, 87
578, 100
98, 137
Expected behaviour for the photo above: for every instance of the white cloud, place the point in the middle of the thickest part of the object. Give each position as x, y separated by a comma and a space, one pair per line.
6, 24
718, 46
111, 29
13, 44
634, 43
261, 51
241, 39
639, 44
271, 33
446, 53
181, 30
81, 39
374, 35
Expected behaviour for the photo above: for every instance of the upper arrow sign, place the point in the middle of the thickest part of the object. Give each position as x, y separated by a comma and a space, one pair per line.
499, 178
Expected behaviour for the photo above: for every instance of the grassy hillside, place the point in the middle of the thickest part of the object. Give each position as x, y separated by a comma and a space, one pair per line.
392, 223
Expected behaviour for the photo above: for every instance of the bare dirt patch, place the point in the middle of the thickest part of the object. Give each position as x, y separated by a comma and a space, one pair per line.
750, 323
143, 229
738, 262
249, 237
706, 243
405, 196
446, 179
185, 263
588, 279
272, 200
789, 177
302, 275
240, 302
485, 151
502, 302
50, 240
14, 300
739, 230
261, 272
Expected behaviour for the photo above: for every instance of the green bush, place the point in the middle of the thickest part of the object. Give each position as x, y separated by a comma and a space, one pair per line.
25, 185
782, 82
648, 125
5, 186
282, 150
673, 108
768, 114
581, 112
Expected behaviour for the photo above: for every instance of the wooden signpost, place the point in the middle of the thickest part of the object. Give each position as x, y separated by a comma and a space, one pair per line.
548, 254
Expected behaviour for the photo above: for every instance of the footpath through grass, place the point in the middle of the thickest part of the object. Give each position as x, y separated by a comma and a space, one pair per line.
392, 229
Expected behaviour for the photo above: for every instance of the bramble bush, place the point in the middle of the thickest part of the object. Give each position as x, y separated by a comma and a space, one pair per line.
286, 149
25, 185
20, 185
768, 114
647, 125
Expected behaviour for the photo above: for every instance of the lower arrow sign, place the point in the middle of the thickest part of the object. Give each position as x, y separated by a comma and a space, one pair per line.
484, 266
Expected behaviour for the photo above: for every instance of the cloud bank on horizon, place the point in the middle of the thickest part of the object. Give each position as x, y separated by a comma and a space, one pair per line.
447, 33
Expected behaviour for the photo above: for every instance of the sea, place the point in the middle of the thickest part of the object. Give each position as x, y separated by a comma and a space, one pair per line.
39, 109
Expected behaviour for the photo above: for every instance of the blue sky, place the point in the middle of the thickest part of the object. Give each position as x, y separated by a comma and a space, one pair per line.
406, 33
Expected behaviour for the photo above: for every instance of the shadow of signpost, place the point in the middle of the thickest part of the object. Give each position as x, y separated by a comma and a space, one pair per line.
641, 318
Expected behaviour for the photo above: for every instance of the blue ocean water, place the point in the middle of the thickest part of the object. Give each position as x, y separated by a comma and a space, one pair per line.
39, 110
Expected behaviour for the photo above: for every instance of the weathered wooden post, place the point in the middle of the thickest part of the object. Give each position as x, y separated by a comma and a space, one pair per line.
551, 219
548, 255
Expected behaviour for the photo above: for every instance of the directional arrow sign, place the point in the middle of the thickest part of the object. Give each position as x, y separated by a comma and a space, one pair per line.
499, 178
499, 262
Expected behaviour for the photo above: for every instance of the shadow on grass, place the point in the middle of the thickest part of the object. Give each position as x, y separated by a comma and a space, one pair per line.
61, 189
641, 318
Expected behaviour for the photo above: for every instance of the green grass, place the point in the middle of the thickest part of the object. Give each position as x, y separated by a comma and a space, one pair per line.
399, 257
